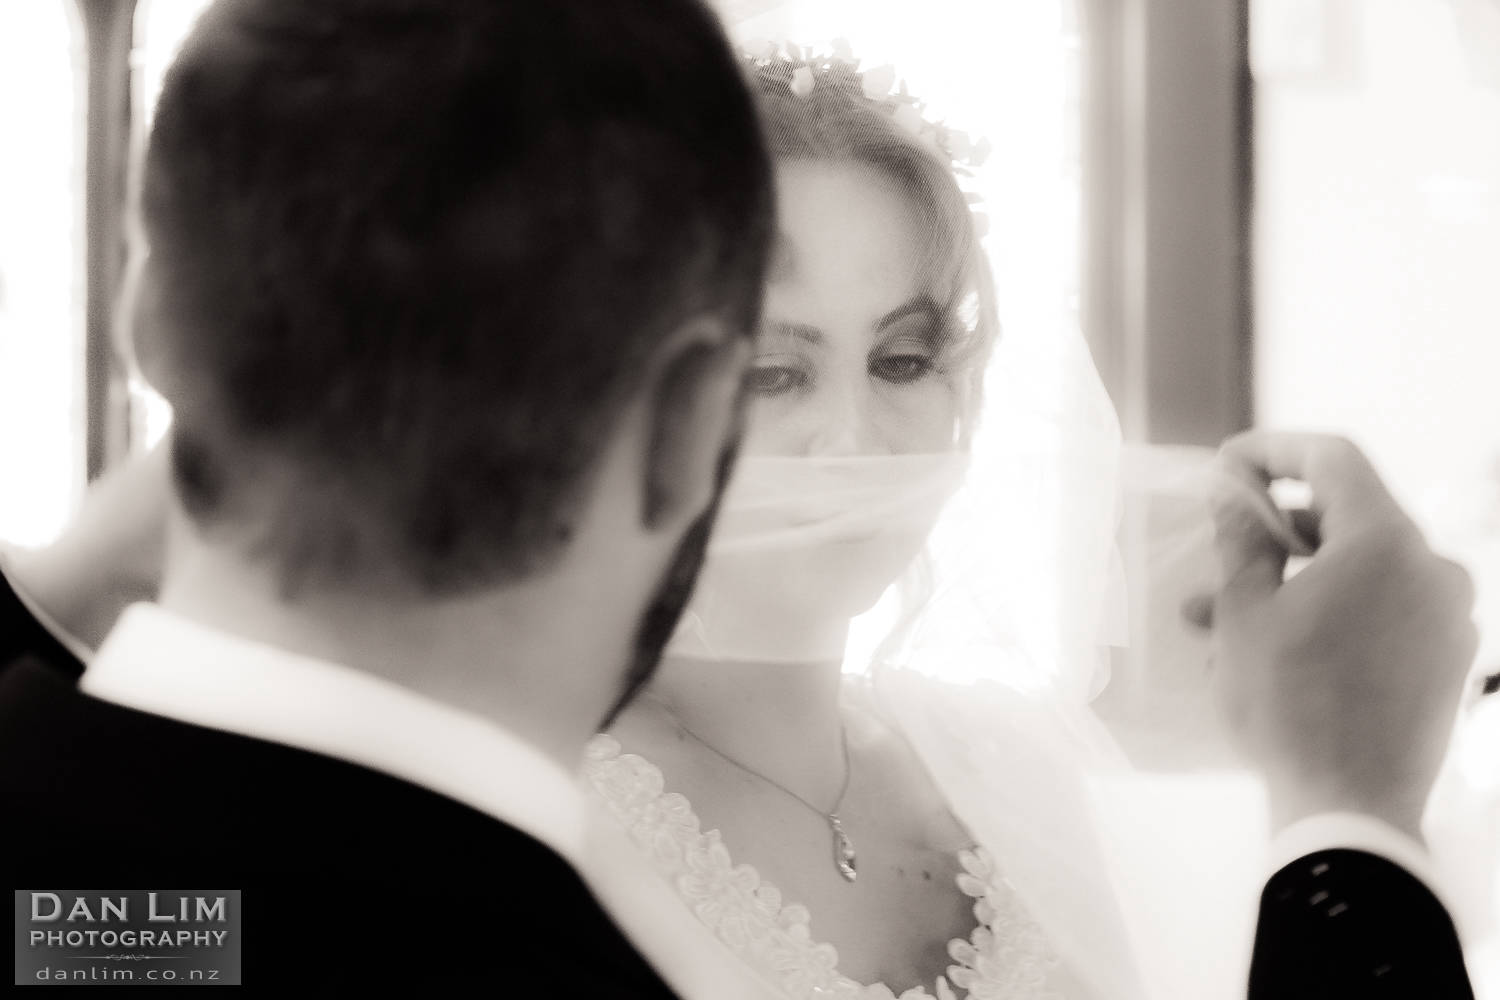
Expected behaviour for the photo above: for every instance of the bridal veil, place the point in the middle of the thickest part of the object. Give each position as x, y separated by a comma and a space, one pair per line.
984, 572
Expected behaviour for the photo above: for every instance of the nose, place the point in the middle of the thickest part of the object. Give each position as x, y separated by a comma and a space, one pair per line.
845, 425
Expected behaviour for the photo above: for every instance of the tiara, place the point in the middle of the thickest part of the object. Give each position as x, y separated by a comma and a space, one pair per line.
802, 69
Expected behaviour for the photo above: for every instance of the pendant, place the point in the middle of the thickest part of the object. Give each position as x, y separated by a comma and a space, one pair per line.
843, 849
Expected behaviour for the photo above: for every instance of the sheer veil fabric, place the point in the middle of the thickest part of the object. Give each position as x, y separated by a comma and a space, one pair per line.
978, 564
982, 568
989, 678
984, 652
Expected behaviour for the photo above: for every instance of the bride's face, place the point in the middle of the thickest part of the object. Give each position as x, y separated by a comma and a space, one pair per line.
849, 368
848, 361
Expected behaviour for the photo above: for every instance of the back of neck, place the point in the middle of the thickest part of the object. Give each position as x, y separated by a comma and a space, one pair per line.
488, 654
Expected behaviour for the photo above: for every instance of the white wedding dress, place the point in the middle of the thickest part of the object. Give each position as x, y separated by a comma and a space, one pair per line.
1008, 955
989, 688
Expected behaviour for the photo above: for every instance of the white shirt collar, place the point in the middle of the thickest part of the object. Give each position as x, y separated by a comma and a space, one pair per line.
161, 663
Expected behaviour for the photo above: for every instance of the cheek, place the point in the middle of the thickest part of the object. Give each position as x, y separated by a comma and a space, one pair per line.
899, 420
918, 419
778, 426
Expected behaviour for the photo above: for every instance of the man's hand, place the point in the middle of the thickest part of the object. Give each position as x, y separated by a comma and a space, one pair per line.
1341, 683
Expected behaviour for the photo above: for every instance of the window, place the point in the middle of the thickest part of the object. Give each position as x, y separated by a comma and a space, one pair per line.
1008, 74
1378, 246
42, 423
1378, 218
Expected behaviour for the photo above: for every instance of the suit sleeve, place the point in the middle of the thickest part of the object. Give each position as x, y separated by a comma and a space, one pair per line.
1346, 923
21, 634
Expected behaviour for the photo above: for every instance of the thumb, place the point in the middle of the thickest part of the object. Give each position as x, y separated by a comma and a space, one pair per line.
1252, 562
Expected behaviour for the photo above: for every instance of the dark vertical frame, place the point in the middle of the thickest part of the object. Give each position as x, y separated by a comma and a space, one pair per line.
1244, 180
1168, 187
109, 29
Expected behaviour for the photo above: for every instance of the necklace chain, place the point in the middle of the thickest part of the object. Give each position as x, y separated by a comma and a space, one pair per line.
843, 849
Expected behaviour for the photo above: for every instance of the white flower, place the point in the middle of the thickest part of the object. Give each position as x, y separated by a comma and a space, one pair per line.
972, 886
909, 118
802, 81
877, 82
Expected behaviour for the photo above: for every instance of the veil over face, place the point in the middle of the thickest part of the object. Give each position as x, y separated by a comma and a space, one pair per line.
911, 473
877, 322
898, 450
851, 444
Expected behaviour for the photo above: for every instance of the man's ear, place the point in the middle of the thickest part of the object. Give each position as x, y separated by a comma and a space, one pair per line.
138, 322
132, 301
695, 403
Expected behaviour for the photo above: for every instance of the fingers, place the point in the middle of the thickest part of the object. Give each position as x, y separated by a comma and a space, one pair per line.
1231, 487
1459, 582
1346, 491
1252, 558
1308, 525
1198, 609
1456, 582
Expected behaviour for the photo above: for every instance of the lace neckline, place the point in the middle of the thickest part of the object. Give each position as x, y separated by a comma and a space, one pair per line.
1006, 956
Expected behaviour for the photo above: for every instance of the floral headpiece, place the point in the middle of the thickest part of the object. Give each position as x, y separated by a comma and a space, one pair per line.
802, 70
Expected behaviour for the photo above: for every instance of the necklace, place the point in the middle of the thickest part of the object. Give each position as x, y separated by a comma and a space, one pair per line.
843, 848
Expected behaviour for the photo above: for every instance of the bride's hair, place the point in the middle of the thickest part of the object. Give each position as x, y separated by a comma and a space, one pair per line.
825, 109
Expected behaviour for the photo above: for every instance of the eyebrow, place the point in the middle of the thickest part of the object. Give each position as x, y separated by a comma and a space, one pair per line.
795, 331
920, 305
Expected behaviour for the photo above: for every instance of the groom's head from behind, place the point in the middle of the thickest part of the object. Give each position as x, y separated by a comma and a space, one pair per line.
451, 296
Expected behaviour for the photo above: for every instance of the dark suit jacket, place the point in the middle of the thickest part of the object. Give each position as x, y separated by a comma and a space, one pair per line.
1342, 923
351, 879
21, 635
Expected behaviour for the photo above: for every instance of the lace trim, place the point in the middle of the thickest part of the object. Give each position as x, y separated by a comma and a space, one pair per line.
1007, 957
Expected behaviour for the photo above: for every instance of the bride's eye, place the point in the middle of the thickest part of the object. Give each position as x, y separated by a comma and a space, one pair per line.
901, 369
776, 380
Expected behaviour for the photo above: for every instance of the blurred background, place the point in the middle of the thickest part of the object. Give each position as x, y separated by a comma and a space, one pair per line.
1280, 213
1272, 212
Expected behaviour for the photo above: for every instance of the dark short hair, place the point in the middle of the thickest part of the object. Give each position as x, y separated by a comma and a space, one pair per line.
415, 254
